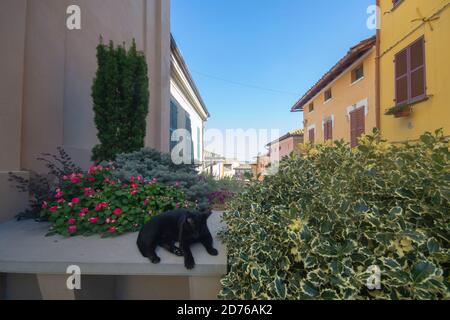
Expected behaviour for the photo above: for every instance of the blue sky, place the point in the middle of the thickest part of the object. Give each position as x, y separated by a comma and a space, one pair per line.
282, 47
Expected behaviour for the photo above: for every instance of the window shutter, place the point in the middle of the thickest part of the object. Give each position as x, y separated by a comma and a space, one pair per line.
328, 130
417, 65
401, 77
357, 125
311, 136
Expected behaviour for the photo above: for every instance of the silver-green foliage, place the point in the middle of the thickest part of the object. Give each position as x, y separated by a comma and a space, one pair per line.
313, 230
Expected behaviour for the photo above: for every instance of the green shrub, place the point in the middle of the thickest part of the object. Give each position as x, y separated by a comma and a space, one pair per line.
150, 163
96, 203
120, 95
313, 230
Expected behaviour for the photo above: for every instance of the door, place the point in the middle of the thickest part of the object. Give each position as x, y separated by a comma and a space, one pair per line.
357, 125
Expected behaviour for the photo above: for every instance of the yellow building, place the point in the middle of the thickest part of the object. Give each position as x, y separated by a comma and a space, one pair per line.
342, 104
414, 48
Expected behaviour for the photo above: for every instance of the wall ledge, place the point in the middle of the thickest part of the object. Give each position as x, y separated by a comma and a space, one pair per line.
25, 249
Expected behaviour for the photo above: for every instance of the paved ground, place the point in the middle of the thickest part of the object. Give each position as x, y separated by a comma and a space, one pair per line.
25, 249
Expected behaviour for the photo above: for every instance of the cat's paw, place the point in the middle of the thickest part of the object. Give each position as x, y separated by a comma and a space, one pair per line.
189, 264
178, 252
155, 260
213, 252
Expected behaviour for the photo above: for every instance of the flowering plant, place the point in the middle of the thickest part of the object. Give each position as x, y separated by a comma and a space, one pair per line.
94, 203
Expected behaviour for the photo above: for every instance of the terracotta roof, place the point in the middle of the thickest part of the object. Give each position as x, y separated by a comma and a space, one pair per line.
351, 57
293, 133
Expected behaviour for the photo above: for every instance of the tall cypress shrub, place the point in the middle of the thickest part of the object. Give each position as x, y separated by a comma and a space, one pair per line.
120, 96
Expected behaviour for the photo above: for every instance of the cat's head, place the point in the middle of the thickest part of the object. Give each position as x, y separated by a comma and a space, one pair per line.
193, 222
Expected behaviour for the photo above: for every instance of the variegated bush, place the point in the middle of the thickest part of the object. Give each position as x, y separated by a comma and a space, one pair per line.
316, 229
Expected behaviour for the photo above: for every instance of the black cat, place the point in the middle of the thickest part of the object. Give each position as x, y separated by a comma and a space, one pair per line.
183, 226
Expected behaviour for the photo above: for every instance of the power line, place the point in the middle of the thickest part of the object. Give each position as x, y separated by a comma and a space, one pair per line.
246, 84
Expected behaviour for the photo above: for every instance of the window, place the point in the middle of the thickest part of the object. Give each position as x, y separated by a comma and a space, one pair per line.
328, 130
410, 84
199, 155
357, 125
311, 137
358, 73
173, 123
328, 94
396, 2
311, 107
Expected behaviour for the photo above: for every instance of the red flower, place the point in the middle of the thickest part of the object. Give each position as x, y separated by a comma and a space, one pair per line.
53, 209
100, 205
93, 220
139, 178
71, 221
91, 179
146, 202
112, 230
82, 214
117, 211
72, 229
75, 200
132, 179
44, 205
59, 195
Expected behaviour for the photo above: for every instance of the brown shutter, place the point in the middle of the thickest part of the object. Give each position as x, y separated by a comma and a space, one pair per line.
417, 67
401, 77
328, 130
311, 136
357, 125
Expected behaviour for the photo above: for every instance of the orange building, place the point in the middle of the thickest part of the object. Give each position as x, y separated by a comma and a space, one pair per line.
341, 105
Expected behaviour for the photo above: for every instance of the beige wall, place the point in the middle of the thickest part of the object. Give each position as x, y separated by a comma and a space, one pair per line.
12, 35
45, 97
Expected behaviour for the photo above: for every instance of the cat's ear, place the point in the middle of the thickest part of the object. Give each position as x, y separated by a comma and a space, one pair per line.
191, 221
206, 214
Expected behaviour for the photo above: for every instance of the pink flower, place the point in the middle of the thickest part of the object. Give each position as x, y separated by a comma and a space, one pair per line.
88, 192
100, 205
132, 179
91, 179
108, 220
133, 192
60, 200
59, 195
75, 200
72, 229
146, 202
53, 209
71, 221
139, 178
113, 221
178, 184
44, 205
112, 230
84, 210
117, 211
106, 180
82, 214
75, 180
93, 220
177, 205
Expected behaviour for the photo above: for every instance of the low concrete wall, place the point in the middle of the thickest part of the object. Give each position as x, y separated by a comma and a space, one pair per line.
11, 201
35, 266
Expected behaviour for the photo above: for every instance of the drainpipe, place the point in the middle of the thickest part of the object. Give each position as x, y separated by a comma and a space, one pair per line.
377, 72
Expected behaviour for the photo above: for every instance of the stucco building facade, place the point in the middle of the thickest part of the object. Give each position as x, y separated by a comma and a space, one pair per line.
414, 71
342, 104
47, 72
